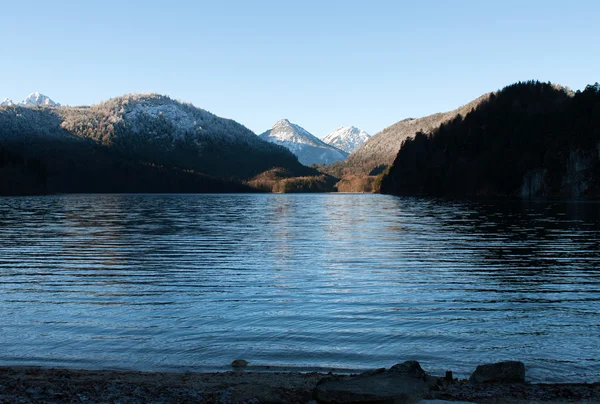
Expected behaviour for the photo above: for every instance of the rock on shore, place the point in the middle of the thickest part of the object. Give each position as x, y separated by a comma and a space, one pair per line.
403, 383
507, 372
27, 384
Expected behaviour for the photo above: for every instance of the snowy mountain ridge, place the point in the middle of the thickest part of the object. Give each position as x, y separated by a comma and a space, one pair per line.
37, 99
155, 117
179, 119
308, 148
347, 138
155, 129
33, 100
285, 131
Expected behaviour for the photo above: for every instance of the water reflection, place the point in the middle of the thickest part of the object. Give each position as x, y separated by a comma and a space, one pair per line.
188, 282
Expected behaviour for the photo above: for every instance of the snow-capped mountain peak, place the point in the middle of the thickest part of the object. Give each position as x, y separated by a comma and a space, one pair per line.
37, 99
308, 148
6, 103
285, 131
347, 138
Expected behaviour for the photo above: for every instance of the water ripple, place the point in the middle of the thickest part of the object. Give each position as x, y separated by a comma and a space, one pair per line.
190, 282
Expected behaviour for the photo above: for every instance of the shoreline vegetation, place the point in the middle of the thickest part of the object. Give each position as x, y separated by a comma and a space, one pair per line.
407, 382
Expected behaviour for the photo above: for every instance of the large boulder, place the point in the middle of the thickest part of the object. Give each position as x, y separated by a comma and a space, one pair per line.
403, 383
506, 372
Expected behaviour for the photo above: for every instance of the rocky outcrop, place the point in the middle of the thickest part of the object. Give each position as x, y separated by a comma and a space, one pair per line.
403, 383
533, 183
505, 372
576, 180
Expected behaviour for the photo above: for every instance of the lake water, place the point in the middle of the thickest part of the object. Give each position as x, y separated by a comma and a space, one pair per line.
329, 281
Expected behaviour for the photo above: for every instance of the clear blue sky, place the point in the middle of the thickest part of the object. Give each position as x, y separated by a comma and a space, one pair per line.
322, 64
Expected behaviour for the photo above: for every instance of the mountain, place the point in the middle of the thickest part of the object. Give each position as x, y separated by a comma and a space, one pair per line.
347, 138
31, 165
308, 148
33, 100
124, 143
156, 128
381, 149
37, 99
528, 140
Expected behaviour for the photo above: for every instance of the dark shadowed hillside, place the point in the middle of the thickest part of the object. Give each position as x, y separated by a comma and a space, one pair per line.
530, 139
362, 170
135, 143
34, 166
379, 151
156, 128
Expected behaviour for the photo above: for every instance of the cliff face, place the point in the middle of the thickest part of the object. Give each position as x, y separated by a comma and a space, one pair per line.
580, 178
528, 140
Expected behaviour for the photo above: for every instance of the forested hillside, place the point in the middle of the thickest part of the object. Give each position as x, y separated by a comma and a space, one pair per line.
379, 151
529, 139
135, 143
33, 166
156, 128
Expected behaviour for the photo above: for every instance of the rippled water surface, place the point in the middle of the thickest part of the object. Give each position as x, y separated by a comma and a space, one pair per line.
191, 282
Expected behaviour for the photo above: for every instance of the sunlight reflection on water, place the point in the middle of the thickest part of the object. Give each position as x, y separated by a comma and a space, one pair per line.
190, 282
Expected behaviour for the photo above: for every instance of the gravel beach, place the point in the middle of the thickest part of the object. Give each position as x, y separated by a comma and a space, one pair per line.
41, 385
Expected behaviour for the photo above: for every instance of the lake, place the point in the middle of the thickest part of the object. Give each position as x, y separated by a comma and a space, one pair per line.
299, 282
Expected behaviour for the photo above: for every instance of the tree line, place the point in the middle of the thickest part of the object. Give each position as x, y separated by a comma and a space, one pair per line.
529, 139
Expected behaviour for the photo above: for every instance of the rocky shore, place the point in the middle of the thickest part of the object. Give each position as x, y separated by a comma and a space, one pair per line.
403, 383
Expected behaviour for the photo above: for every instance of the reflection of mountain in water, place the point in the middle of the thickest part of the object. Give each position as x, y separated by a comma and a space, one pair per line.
531, 237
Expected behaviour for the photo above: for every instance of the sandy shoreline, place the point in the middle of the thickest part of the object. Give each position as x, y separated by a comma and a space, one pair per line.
33, 384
